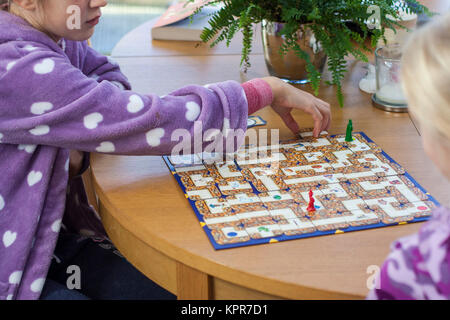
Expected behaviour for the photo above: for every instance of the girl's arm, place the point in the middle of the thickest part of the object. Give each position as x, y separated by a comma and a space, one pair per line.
47, 101
100, 67
282, 96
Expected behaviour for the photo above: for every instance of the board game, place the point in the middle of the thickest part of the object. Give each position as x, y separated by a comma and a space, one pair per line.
299, 188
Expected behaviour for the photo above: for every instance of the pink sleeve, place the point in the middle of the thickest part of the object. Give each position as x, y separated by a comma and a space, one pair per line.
259, 94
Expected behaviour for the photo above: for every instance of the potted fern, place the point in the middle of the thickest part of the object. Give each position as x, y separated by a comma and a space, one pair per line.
332, 28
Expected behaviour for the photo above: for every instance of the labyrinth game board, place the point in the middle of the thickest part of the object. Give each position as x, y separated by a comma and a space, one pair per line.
262, 195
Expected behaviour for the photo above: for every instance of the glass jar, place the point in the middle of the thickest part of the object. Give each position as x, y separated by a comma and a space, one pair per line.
389, 94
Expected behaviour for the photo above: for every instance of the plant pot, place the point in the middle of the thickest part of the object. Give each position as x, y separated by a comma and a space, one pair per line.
290, 67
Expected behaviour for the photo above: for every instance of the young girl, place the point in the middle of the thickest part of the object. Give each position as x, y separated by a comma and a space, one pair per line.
57, 94
418, 266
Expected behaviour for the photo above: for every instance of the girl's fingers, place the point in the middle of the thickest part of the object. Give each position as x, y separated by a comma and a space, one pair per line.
290, 122
317, 108
324, 109
327, 120
318, 119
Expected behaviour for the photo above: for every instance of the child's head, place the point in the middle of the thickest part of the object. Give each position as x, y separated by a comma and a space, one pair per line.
69, 19
426, 82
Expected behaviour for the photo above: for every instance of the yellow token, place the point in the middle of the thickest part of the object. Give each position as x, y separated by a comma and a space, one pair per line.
403, 222
339, 231
202, 224
273, 241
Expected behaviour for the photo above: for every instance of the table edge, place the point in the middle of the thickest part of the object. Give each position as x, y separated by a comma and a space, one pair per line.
210, 267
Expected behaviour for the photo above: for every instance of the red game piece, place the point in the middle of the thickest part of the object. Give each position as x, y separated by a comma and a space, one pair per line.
311, 207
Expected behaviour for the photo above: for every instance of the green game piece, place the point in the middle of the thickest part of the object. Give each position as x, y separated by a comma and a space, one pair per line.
261, 229
348, 133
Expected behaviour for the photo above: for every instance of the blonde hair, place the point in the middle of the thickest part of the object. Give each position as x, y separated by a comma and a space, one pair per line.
11, 7
7, 5
426, 75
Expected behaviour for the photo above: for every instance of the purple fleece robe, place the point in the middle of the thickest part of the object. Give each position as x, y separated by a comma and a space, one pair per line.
418, 266
53, 99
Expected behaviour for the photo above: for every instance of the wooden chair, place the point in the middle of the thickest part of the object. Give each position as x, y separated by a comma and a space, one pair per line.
90, 191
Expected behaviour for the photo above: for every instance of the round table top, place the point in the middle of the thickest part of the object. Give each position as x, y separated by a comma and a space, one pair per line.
142, 197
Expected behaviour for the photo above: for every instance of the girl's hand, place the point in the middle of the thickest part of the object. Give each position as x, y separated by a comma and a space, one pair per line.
287, 97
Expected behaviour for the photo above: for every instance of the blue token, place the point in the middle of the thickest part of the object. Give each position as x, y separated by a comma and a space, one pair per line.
232, 234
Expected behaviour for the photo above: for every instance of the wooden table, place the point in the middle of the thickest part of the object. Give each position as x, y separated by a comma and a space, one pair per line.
150, 221
138, 43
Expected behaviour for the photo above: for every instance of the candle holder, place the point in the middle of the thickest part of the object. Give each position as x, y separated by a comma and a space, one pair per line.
389, 95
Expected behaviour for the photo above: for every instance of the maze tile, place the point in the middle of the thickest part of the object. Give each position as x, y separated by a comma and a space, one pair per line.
282, 199
337, 158
229, 234
259, 157
308, 157
230, 186
307, 170
242, 198
309, 176
185, 160
358, 218
358, 143
200, 193
277, 196
197, 176
187, 169
219, 222
247, 214
423, 208
400, 187
262, 227
390, 210
329, 222
209, 158
298, 226
294, 147
198, 181
226, 170
302, 209
247, 206
286, 213
215, 207
306, 133
264, 178
375, 162
336, 199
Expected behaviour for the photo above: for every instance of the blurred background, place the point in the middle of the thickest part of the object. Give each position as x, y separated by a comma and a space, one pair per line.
121, 16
